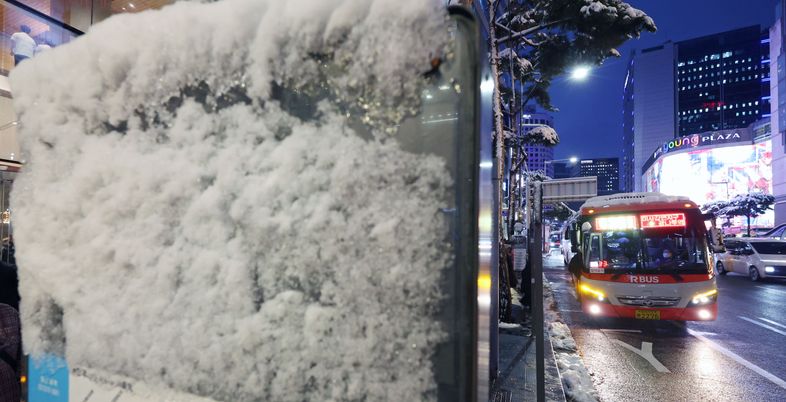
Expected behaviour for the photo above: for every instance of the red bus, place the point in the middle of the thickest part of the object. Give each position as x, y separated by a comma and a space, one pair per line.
644, 256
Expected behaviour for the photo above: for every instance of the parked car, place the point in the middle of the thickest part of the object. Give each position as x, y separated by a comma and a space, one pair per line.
778, 232
554, 242
758, 258
760, 232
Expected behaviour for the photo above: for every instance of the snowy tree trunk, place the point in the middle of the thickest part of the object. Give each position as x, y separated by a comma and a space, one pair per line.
499, 133
514, 126
749, 225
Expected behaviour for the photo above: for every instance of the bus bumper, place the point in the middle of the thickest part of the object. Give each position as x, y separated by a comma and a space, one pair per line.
699, 313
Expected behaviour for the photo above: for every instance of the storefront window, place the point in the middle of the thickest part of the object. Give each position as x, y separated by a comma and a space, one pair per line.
103, 9
75, 13
23, 35
80, 14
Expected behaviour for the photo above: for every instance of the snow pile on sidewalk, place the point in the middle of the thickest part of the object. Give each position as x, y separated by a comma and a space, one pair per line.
178, 223
576, 380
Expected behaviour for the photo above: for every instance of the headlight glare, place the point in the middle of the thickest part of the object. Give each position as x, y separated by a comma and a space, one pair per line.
588, 290
705, 297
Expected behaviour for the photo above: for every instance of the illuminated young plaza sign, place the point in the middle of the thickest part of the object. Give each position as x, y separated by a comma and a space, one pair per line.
710, 138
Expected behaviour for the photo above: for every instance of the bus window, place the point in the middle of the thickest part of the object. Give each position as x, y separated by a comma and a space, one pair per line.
664, 249
594, 248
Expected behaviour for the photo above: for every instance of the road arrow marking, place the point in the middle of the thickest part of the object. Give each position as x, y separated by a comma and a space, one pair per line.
646, 353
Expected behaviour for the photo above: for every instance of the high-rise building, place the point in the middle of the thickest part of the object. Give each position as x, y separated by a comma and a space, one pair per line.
722, 80
627, 183
653, 107
607, 170
715, 82
539, 157
564, 169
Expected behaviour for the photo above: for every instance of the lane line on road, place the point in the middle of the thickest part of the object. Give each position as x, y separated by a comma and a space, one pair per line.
772, 322
646, 353
763, 325
728, 353
783, 292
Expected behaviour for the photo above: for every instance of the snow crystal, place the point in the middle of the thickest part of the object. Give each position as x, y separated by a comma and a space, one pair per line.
177, 224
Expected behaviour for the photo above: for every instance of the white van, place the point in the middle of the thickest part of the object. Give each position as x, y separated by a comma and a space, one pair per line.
758, 258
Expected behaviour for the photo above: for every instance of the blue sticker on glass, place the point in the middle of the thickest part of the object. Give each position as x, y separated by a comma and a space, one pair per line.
47, 379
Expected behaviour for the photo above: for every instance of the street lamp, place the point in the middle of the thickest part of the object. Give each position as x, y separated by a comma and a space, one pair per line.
580, 73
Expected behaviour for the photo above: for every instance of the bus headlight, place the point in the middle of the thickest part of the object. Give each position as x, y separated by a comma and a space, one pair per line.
703, 298
592, 292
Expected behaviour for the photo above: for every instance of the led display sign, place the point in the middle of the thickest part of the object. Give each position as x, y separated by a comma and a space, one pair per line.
618, 222
674, 220
741, 135
712, 174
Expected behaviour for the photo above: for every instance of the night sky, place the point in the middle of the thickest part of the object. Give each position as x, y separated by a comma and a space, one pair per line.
589, 120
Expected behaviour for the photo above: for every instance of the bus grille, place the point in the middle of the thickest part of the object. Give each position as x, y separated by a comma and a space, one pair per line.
649, 301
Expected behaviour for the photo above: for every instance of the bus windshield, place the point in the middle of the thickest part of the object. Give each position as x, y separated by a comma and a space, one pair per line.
649, 250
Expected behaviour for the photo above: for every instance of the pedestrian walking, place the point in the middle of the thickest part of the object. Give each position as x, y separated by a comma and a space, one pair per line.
10, 354
22, 45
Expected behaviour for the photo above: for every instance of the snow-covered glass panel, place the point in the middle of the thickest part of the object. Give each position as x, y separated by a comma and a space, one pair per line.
278, 210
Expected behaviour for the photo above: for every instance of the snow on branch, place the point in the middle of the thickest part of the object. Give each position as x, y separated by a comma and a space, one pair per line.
543, 135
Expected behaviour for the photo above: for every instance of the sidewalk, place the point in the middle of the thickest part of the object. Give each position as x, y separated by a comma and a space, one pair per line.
517, 376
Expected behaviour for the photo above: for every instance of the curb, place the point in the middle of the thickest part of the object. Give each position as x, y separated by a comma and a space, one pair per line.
577, 382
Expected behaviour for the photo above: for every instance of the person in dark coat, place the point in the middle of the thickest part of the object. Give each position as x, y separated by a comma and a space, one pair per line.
9, 285
10, 354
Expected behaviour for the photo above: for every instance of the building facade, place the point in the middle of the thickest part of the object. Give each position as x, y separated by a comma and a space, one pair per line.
716, 82
539, 157
715, 166
607, 170
628, 160
653, 107
565, 169
778, 111
723, 80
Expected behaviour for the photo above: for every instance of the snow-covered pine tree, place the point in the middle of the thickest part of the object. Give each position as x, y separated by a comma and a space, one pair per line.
749, 206
534, 41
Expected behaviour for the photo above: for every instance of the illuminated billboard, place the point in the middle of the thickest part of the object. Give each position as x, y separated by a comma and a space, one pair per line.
715, 174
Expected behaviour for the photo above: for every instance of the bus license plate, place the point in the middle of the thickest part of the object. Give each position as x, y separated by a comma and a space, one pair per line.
647, 315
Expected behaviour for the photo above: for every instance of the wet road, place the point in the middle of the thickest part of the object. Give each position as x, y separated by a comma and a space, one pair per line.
739, 357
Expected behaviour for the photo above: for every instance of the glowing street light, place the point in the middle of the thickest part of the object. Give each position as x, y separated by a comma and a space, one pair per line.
580, 73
